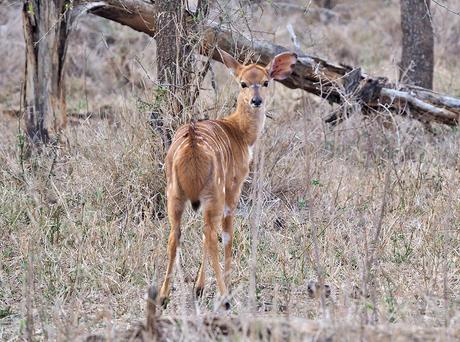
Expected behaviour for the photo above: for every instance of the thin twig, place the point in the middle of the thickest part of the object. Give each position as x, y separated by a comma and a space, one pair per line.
446, 8
255, 222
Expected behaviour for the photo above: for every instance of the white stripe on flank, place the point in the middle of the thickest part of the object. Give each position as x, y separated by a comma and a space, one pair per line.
178, 148
218, 148
225, 133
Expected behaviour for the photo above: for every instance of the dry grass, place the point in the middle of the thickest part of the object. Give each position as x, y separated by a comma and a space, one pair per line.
83, 233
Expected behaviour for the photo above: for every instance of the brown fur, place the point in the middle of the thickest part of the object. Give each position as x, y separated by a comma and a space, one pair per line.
208, 162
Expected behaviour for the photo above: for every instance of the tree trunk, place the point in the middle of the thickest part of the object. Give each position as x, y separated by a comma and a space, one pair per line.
417, 43
175, 65
173, 68
46, 27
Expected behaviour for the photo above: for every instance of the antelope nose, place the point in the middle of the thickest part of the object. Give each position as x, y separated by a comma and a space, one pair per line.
256, 101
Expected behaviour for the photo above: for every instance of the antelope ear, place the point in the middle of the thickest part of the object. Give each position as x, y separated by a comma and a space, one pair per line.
282, 65
230, 62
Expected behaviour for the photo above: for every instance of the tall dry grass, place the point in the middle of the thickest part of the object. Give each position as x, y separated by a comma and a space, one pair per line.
371, 212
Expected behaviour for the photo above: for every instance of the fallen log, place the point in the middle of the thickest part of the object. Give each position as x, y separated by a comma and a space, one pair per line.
338, 84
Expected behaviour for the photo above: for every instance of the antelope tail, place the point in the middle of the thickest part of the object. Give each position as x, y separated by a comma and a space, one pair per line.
192, 134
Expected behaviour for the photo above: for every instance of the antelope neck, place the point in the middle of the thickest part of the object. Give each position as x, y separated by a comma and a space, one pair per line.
249, 121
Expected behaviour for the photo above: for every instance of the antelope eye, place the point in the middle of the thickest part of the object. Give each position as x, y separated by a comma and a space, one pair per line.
243, 85
265, 84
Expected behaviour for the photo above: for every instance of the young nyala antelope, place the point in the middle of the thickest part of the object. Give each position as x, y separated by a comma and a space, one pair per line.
208, 162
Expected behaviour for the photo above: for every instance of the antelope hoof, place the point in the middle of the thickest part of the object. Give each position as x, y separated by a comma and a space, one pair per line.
199, 291
224, 302
164, 301
226, 305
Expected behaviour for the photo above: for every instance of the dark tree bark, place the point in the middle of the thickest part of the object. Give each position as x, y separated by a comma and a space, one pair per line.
46, 27
173, 66
417, 43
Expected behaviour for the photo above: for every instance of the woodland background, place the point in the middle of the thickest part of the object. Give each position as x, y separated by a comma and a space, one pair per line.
369, 206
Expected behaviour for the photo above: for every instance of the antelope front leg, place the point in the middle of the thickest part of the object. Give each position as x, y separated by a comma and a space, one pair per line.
231, 202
